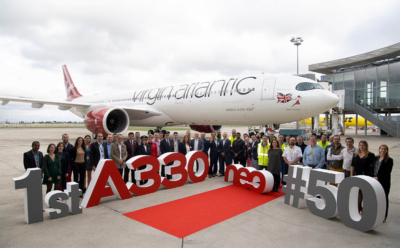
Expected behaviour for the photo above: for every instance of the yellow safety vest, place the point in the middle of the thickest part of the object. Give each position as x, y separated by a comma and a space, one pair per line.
232, 139
262, 153
283, 146
323, 146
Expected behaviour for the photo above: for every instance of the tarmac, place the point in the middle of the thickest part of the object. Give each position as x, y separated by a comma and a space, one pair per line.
273, 224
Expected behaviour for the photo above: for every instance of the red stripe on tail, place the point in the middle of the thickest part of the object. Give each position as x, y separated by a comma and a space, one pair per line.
72, 91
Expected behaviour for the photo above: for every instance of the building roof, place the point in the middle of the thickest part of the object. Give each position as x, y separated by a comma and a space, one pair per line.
365, 58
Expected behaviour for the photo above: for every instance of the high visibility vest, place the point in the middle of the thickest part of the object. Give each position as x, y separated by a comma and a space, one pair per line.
283, 146
232, 139
323, 146
262, 153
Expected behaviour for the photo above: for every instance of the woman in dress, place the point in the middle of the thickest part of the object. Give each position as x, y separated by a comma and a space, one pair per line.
184, 146
362, 165
52, 169
275, 163
89, 167
78, 162
63, 156
383, 165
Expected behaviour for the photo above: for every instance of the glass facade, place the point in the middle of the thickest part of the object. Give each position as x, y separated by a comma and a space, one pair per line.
374, 87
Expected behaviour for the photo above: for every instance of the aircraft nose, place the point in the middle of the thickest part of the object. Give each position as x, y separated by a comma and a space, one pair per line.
330, 99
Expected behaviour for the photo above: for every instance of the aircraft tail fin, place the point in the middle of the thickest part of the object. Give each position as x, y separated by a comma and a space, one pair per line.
72, 91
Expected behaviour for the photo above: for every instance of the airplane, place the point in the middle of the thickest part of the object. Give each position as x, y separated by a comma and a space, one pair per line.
349, 121
205, 106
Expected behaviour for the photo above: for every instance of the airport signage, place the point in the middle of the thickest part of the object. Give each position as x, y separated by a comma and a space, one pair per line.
304, 184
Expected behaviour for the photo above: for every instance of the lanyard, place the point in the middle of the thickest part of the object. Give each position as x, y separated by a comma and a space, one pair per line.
101, 150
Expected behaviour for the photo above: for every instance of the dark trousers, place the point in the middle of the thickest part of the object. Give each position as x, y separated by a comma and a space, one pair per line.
126, 175
387, 189
79, 170
213, 166
240, 160
277, 181
224, 162
63, 182
285, 169
121, 171
163, 171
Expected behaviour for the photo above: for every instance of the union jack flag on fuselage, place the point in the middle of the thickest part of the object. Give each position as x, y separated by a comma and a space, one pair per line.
282, 98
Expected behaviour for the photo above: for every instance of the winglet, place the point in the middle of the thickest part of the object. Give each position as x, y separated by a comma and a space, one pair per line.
72, 91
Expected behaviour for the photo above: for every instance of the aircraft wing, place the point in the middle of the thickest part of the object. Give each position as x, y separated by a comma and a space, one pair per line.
141, 112
38, 103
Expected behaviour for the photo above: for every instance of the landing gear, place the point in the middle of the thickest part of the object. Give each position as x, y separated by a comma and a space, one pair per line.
157, 130
94, 136
150, 132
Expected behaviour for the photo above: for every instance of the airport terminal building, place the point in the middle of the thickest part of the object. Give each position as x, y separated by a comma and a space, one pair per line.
370, 84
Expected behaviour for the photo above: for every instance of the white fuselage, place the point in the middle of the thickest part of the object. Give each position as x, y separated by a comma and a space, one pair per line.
244, 100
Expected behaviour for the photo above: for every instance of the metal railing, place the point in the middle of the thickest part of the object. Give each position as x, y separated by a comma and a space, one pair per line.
390, 124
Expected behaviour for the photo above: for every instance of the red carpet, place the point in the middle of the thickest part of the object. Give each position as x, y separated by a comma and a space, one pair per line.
188, 215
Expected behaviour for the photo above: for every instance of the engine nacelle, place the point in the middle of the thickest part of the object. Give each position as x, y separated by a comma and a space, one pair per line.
206, 128
107, 120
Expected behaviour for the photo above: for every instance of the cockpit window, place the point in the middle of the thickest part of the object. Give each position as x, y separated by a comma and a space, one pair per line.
308, 86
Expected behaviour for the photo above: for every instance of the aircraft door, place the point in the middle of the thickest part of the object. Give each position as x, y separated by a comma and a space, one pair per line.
268, 89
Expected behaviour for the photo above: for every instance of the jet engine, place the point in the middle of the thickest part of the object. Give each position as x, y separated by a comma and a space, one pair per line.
206, 128
107, 120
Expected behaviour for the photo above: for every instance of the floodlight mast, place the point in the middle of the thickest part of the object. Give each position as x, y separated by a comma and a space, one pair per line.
297, 42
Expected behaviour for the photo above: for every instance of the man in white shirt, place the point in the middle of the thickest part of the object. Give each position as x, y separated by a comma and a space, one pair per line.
197, 145
346, 154
292, 154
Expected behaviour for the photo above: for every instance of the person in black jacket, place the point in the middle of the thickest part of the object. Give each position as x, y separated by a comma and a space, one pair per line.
214, 143
97, 151
67, 148
144, 149
239, 149
253, 152
362, 165
184, 146
225, 148
131, 147
165, 147
382, 169
63, 155
34, 158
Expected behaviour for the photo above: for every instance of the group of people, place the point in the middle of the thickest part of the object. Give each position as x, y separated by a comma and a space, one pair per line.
259, 151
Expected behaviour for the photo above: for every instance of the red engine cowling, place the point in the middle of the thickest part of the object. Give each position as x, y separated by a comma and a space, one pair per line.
206, 128
107, 120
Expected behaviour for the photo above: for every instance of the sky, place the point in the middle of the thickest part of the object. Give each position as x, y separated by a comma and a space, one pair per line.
112, 46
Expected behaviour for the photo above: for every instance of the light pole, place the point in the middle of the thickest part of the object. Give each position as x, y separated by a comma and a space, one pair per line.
297, 42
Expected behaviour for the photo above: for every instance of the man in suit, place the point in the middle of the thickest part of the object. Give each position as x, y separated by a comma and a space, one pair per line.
166, 146
214, 143
34, 158
137, 138
67, 147
253, 152
206, 143
131, 146
119, 153
175, 143
196, 145
225, 148
239, 150
97, 151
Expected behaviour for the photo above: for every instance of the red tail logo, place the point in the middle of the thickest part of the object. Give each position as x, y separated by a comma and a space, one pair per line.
72, 91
